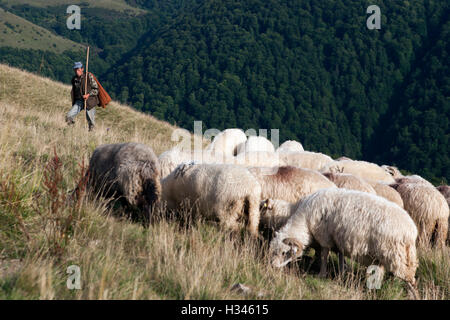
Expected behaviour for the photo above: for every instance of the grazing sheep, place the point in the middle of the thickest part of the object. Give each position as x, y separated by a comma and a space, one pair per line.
305, 159
257, 159
364, 227
429, 210
128, 170
349, 181
216, 191
290, 146
387, 192
289, 183
362, 169
227, 142
255, 143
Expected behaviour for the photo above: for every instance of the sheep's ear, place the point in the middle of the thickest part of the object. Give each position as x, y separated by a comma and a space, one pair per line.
295, 244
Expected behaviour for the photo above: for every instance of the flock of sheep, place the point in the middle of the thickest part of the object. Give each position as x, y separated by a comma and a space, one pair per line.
372, 214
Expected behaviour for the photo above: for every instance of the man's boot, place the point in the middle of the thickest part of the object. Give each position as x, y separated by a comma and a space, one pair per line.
70, 121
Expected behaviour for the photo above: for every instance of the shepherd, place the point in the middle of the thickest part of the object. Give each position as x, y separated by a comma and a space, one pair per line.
81, 93
96, 95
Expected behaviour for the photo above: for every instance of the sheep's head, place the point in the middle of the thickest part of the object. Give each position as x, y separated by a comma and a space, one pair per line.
284, 250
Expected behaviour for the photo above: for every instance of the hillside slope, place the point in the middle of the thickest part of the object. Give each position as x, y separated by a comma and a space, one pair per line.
19, 33
40, 235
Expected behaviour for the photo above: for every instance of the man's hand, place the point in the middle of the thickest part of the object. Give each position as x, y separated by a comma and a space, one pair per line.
86, 96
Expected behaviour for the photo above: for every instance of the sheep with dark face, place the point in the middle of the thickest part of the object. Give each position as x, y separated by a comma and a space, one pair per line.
126, 170
362, 226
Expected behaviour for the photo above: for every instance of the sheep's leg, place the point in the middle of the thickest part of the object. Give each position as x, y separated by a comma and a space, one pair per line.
323, 262
341, 263
412, 290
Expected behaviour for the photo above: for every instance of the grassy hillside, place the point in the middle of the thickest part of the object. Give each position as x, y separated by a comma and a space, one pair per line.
19, 33
117, 5
40, 236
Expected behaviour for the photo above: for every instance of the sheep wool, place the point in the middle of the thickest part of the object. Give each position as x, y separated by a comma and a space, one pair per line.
445, 190
306, 159
429, 210
227, 141
289, 183
290, 146
257, 158
128, 170
362, 169
349, 181
170, 159
255, 143
387, 192
217, 191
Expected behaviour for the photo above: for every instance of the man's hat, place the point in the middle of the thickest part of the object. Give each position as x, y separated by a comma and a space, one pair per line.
77, 65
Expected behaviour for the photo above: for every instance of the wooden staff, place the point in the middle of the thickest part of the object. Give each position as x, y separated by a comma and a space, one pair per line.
85, 85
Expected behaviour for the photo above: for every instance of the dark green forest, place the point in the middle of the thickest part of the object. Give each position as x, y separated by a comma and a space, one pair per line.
309, 68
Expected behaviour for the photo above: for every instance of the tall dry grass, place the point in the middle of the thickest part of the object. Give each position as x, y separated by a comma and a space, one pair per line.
42, 233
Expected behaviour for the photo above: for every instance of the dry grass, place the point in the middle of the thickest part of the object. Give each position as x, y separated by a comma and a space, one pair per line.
120, 259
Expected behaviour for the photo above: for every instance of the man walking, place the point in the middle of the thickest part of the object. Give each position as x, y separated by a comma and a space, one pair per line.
79, 95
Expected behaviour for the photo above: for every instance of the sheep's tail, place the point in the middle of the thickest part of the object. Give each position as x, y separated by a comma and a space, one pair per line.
252, 203
441, 231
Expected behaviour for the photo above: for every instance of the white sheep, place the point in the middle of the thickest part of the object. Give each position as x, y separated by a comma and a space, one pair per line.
289, 183
290, 146
362, 226
226, 142
349, 181
428, 208
362, 169
306, 159
216, 191
255, 143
